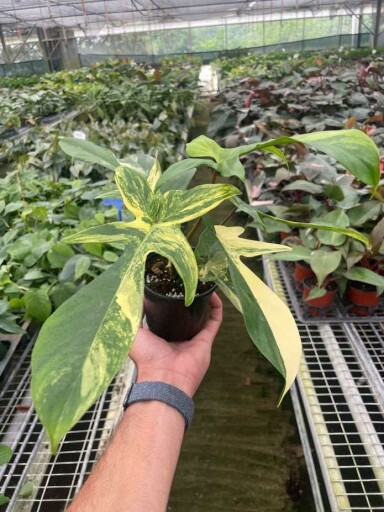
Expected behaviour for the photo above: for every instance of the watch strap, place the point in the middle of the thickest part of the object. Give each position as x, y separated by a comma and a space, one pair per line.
170, 395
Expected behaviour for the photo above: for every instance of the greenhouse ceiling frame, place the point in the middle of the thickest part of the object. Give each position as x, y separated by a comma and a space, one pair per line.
57, 20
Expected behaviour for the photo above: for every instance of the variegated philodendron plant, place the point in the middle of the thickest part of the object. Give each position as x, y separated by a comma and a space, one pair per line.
84, 343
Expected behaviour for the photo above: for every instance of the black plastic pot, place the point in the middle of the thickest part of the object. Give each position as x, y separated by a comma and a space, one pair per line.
169, 318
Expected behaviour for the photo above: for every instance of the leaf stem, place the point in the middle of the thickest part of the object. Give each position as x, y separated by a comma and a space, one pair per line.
232, 212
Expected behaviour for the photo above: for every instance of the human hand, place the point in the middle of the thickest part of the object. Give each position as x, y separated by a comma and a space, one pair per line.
181, 364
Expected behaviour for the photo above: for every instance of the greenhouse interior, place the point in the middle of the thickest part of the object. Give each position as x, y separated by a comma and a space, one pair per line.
173, 174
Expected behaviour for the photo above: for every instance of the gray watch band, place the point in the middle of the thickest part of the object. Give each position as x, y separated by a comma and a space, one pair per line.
170, 395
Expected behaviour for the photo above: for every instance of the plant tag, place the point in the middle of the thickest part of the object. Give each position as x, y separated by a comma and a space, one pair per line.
78, 134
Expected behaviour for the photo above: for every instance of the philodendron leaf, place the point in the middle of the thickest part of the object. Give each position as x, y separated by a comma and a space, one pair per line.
246, 208
154, 175
88, 152
94, 329
136, 193
323, 263
351, 148
227, 160
179, 174
326, 226
365, 275
267, 318
181, 206
79, 350
106, 233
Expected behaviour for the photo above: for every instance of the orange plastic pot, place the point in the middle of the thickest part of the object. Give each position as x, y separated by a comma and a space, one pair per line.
302, 271
363, 297
321, 305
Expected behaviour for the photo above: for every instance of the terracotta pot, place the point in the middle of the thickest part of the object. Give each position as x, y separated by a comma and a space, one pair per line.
169, 318
363, 297
321, 305
302, 271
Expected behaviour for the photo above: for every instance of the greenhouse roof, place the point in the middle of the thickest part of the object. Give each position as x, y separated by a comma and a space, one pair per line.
97, 13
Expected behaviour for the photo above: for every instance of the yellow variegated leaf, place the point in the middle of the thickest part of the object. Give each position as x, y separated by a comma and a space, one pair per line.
136, 193
112, 232
181, 206
284, 349
244, 247
169, 241
154, 175
77, 354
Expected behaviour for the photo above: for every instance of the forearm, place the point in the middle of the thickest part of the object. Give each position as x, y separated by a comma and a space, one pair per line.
135, 473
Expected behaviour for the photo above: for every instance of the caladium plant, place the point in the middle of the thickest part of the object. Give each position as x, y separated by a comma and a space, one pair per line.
84, 343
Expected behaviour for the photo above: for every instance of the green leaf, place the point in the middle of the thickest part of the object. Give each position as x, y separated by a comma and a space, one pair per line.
5, 454
351, 148
59, 255
364, 275
268, 320
3, 499
297, 253
88, 152
8, 324
320, 225
204, 146
339, 219
334, 192
26, 490
316, 293
181, 206
228, 163
250, 210
110, 256
62, 292
323, 263
37, 304
75, 268
34, 275
359, 215
179, 174
305, 186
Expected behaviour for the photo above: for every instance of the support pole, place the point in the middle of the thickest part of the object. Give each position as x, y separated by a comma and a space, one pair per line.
377, 24
3, 44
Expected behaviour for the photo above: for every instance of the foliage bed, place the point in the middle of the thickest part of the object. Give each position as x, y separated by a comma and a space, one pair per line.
303, 95
44, 196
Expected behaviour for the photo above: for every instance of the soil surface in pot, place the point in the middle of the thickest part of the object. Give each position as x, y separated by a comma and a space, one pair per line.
165, 281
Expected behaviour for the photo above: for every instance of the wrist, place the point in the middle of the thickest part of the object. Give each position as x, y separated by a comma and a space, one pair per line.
178, 380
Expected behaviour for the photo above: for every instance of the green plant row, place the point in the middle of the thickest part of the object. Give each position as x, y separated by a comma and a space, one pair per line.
276, 65
113, 89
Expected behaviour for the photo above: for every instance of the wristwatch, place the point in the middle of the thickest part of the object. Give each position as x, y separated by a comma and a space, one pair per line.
170, 395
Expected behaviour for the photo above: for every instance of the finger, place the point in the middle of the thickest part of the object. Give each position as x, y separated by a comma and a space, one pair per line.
213, 323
